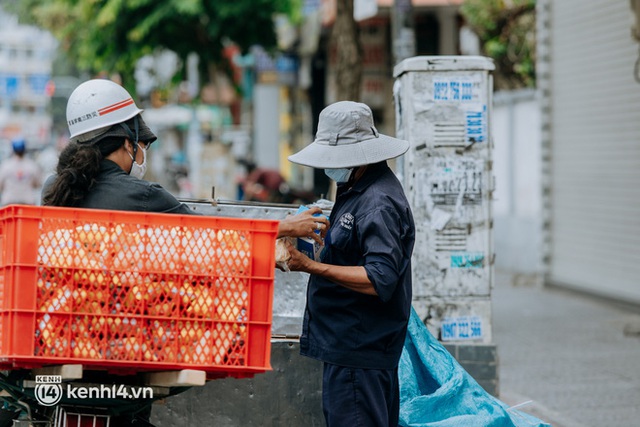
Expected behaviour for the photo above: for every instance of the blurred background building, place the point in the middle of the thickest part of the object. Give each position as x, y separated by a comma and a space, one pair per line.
281, 96
566, 152
566, 149
26, 58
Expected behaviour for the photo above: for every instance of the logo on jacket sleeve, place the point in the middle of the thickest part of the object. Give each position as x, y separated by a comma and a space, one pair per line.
346, 221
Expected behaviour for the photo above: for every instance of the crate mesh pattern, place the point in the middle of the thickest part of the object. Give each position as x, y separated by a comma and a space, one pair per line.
112, 288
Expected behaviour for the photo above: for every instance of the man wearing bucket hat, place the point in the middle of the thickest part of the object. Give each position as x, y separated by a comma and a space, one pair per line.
359, 294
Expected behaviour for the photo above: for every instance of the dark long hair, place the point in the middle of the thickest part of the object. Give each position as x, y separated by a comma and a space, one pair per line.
78, 167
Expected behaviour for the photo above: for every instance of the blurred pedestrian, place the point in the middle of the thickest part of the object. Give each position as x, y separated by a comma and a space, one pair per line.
265, 185
359, 293
20, 177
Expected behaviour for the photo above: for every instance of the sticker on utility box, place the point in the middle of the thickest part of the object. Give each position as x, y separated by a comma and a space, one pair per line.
461, 328
467, 260
453, 177
457, 89
476, 125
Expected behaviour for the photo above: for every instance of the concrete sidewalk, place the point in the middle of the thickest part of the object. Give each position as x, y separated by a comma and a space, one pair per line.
566, 356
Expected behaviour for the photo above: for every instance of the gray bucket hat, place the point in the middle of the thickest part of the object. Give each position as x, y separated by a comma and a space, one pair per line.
347, 138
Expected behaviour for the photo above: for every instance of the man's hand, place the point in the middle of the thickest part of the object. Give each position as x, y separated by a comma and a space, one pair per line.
305, 224
351, 277
298, 261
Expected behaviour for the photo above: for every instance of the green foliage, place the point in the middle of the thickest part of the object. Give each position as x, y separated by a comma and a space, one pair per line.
506, 29
111, 35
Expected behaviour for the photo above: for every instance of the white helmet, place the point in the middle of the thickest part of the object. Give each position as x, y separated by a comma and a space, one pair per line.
95, 106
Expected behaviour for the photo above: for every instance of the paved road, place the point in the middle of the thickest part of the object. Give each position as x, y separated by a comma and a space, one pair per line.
568, 354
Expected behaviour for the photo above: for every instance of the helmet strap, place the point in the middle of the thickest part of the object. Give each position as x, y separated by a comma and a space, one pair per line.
132, 137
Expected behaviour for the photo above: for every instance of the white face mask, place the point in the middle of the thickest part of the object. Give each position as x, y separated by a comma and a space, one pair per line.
137, 170
338, 175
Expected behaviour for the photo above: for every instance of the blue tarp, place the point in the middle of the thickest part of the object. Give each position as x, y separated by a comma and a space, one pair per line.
435, 391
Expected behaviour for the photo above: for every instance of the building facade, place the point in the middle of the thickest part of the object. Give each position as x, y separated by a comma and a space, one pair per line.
590, 97
26, 58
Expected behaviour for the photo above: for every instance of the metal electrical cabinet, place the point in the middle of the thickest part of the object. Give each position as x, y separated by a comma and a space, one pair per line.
443, 108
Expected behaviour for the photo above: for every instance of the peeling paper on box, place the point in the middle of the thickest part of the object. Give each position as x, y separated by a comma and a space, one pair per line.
439, 219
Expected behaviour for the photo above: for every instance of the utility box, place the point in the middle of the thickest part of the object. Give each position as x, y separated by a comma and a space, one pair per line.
443, 108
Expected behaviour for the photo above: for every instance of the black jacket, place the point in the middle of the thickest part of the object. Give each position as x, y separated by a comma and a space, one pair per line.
117, 190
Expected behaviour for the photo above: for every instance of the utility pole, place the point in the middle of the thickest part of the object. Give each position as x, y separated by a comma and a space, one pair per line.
402, 28
348, 52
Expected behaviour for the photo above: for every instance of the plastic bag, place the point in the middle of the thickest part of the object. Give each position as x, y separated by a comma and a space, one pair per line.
435, 391
282, 254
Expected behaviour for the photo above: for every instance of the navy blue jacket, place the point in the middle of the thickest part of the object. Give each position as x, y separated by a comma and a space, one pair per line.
371, 226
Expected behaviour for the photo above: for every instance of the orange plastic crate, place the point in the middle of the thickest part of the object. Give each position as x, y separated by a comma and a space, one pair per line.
135, 291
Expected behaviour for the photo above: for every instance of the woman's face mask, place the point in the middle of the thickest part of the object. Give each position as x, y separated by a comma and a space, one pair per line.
137, 170
338, 175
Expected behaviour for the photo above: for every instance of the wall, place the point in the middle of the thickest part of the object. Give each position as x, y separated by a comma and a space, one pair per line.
518, 195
